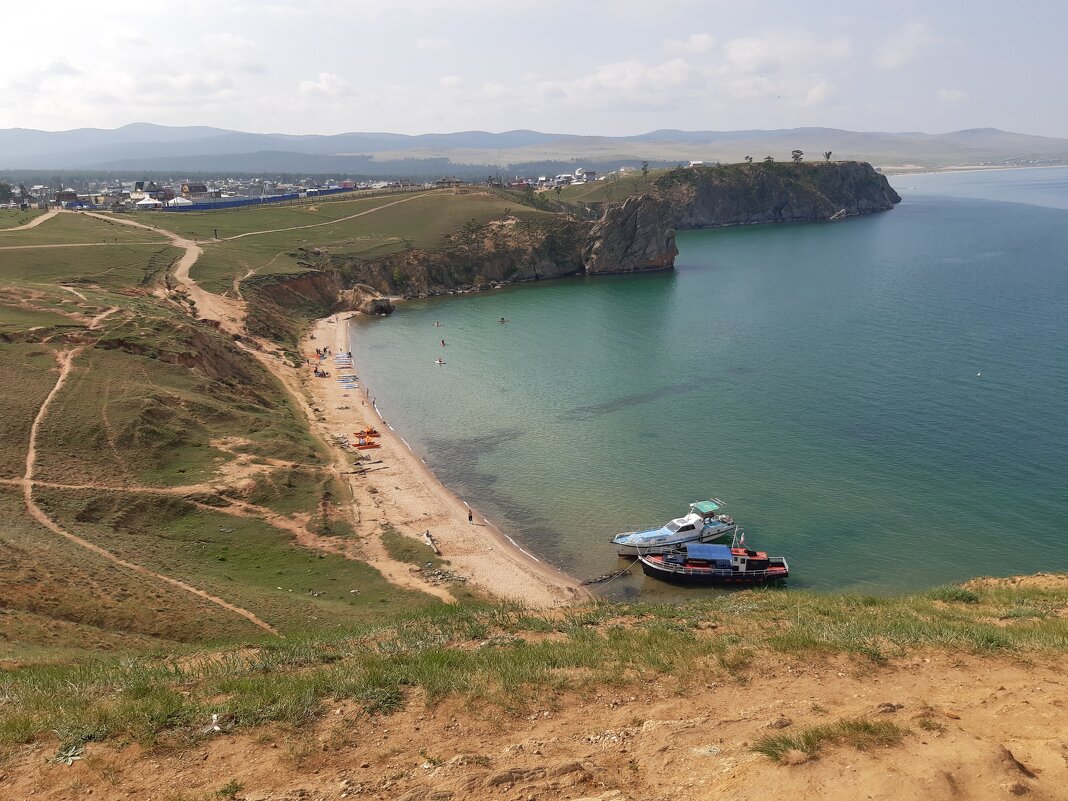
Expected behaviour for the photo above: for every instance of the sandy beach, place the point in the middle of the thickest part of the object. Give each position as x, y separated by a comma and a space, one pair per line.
402, 491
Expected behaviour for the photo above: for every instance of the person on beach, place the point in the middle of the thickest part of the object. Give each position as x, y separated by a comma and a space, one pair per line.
443, 343
470, 516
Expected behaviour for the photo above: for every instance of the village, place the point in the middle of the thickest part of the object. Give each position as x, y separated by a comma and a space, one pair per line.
120, 195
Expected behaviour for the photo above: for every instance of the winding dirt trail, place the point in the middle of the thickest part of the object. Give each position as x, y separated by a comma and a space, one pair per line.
66, 358
499, 569
229, 313
48, 215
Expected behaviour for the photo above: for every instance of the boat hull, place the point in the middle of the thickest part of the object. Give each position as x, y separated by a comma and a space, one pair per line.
632, 545
712, 577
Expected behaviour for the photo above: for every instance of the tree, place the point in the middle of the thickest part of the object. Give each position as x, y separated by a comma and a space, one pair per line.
796, 156
748, 159
768, 159
645, 170
827, 155
558, 189
6, 192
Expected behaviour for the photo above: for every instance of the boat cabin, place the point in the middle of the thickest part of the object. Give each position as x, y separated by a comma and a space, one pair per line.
720, 557
680, 525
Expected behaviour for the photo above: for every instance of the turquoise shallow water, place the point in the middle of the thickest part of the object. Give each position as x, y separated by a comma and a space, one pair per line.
821, 378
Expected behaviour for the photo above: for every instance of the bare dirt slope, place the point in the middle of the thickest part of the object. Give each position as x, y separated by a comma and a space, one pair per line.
974, 728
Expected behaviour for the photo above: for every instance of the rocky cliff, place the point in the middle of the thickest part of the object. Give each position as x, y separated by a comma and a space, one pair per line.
634, 236
743, 194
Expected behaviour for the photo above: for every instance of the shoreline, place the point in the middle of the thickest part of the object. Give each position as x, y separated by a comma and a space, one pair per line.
406, 493
916, 169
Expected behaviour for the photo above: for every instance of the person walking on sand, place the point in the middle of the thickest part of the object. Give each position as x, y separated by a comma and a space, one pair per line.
470, 516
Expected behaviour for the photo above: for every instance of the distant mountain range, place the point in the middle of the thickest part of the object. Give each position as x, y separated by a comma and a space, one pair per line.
143, 147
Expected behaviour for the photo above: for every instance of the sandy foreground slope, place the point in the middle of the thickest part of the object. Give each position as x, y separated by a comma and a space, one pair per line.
976, 728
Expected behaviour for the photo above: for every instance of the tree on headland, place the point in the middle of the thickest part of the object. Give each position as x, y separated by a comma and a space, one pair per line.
827, 155
558, 189
796, 156
645, 170
6, 192
748, 159
768, 159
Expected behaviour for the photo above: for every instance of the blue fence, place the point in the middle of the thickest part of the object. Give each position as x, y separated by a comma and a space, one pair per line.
255, 201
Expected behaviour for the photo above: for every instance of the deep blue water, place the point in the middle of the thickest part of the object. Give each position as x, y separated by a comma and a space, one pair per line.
823, 379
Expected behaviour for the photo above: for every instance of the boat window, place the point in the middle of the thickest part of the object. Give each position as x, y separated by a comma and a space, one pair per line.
672, 526
687, 527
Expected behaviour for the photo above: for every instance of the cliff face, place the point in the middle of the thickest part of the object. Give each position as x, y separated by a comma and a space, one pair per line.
743, 194
635, 236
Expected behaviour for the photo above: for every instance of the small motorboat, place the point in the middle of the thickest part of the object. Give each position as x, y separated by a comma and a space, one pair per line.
710, 564
704, 523
364, 444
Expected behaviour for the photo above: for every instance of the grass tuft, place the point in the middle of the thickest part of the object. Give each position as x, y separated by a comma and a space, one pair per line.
858, 733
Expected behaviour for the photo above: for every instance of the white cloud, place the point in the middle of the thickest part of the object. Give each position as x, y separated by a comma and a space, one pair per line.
431, 43
694, 43
326, 85
952, 95
450, 81
904, 45
780, 51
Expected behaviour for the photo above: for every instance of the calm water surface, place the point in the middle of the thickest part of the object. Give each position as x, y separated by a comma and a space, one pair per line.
823, 379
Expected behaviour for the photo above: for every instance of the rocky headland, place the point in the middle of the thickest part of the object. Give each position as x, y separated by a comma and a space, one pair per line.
636, 234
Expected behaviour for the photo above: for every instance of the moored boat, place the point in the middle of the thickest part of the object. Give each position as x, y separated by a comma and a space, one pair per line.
714, 564
703, 523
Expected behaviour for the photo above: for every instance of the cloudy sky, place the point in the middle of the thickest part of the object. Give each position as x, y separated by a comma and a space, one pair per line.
566, 66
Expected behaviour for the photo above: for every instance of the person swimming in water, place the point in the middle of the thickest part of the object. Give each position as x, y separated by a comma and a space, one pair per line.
502, 320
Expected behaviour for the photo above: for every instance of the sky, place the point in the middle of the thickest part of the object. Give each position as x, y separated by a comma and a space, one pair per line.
563, 66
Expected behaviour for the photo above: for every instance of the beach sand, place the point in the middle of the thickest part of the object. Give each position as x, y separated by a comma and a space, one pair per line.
404, 492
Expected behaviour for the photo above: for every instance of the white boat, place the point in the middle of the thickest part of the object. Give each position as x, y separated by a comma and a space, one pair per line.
703, 523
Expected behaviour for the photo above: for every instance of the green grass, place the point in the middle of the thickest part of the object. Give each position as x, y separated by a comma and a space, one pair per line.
125, 413
500, 655
408, 550
244, 560
616, 187
858, 733
11, 218
422, 223
204, 225
73, 228
110, 266
31, 369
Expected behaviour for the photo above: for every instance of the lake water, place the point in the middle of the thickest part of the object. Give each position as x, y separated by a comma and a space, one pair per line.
823, 379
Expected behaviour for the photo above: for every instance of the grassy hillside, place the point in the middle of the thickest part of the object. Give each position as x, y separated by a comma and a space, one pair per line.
420, 220
170, 447
511, 659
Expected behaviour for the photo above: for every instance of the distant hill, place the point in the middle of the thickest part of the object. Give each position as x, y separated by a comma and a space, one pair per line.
147, 147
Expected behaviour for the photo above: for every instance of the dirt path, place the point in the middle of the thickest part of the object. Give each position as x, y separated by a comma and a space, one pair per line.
48, 215
498, 567
228, 312
328, 222
65, 359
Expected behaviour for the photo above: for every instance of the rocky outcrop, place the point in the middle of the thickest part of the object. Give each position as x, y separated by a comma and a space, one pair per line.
744, 194
635, 236
364, 299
